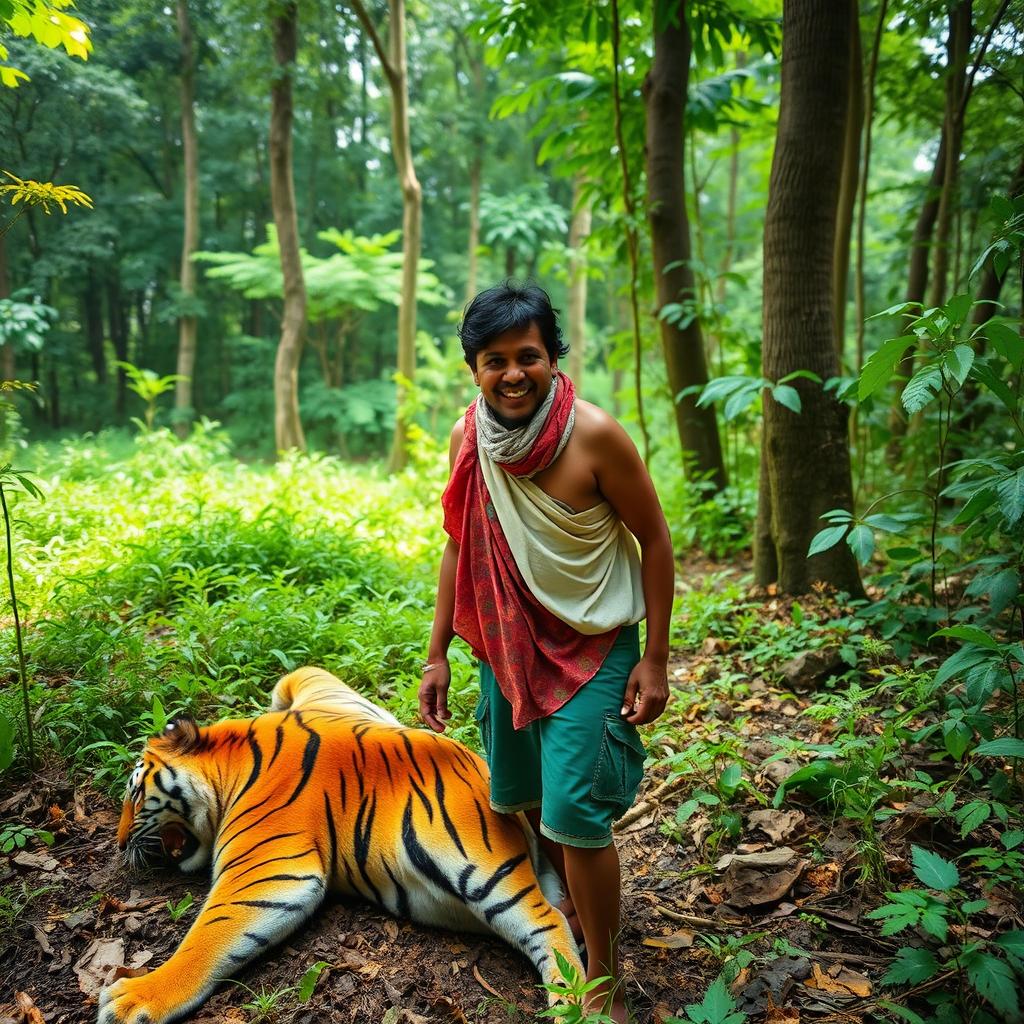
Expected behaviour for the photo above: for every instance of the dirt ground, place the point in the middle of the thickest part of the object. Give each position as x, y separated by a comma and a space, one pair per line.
794, 897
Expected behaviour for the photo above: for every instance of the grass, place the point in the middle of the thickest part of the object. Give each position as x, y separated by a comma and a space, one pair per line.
175, 578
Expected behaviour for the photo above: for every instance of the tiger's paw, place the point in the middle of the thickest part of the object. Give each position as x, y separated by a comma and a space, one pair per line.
132, 1001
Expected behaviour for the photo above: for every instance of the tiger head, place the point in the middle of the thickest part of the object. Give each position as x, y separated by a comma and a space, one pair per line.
167, 812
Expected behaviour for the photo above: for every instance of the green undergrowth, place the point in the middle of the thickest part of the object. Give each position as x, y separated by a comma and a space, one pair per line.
176, 579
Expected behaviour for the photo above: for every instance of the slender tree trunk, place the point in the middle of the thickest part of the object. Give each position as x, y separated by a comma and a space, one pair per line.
287, 425
395, 66
476, 170
961, 32
869, 114
579, 232
928, 237
92, 316
848, 184
475, 175
117, 320
806, 453
183, 393
665, 98
7, 367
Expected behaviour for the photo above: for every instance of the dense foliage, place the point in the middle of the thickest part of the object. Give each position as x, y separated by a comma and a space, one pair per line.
159, 562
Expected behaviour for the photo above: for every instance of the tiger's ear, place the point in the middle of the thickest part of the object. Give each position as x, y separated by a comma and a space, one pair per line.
181, 735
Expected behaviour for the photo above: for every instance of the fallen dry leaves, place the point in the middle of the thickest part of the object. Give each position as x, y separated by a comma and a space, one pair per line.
839, 980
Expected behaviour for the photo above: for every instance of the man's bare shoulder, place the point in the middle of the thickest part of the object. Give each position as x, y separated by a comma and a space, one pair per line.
596, 426
455, 441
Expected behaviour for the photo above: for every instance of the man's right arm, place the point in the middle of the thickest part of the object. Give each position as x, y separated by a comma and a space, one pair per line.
437, 673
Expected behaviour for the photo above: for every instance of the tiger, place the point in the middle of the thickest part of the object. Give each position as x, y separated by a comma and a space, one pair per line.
326, 791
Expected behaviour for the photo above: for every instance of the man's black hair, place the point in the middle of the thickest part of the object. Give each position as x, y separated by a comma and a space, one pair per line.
509, 306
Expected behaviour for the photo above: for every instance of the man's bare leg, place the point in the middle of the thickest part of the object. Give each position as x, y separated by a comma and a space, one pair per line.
594, 884
553, 852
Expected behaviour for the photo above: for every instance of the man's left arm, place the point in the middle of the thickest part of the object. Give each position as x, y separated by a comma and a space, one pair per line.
623, 479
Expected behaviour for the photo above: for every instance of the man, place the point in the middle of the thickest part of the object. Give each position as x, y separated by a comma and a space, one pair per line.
542, 578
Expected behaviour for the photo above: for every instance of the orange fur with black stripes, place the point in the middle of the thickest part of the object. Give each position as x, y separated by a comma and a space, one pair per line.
325, 791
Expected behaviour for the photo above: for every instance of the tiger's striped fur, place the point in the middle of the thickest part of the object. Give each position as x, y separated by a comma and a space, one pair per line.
326, 791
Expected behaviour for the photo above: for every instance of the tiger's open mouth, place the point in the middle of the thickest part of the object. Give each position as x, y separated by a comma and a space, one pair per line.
170, 844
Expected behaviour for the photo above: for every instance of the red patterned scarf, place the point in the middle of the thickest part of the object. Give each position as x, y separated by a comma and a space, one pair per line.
538, 660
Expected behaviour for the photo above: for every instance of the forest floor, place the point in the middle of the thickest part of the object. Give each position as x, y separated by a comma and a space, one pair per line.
786, 895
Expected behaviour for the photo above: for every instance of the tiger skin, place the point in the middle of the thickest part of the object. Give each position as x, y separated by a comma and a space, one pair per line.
327, 790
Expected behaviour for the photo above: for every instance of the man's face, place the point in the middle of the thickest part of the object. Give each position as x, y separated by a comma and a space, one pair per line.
514, 374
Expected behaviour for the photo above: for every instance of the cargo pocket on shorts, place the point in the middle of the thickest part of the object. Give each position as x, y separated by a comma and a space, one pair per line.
483, 721
620, 764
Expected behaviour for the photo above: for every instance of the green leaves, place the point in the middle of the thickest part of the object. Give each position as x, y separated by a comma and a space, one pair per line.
881, 365
717, 1007
911, 967
921, 389
309, 980
1005, 747
933, 870
994, 980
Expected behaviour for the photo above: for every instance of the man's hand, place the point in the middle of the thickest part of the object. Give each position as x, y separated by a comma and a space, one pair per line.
646, 692
433, 694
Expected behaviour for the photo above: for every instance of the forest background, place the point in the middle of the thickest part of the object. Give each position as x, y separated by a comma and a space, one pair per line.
234, 244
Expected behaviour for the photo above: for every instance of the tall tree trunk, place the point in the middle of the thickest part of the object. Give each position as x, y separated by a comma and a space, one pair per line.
117, 320
848, 184
476, 170
183, 393
664, 92
807, 457
287, 425
579, 231
92, 316
7, 367
930, 235
869, 114
393, 61
475, 175
958, 46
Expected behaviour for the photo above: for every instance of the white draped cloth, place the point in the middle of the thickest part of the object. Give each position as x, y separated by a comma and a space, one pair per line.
583, 567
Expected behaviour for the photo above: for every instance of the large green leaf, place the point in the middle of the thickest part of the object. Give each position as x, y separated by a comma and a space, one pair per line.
825, 539
970, 635
1012, 942
934, 871
879, 368
1006, 341
957, 363
1005, 747
862, 543
1011, 496
787, 396
921, 389
994, 979
984, 374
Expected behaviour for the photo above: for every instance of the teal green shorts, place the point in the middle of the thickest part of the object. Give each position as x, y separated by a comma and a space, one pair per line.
581, 765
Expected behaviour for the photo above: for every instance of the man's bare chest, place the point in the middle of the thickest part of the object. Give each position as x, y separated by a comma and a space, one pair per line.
570, 480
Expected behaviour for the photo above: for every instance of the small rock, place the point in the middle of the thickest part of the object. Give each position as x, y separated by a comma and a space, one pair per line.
807, 670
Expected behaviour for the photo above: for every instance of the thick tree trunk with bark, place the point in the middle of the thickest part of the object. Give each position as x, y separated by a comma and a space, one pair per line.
806, 469
665, 99
848, 184
183, 392
579, 232
287, 425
